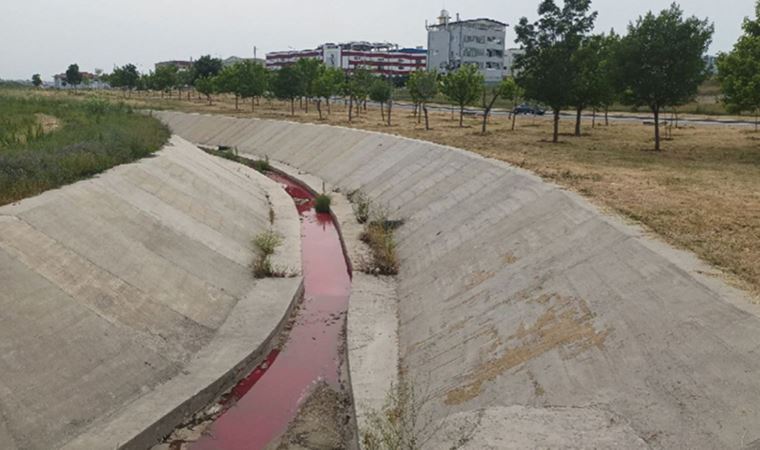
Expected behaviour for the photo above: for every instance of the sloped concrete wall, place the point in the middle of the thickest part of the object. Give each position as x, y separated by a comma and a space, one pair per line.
522, 303
112, 287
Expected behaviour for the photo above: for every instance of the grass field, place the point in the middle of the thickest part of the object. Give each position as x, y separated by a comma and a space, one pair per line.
46, 142
702, 193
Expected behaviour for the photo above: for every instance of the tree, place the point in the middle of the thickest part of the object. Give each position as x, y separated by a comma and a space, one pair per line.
381, 91
206, 67
739, 70
545, 71
463, 87
513, 92
73, 75
423, 86
184, 80
506, 89
254, 80
206, 86
36, 80
329, 84
590, 79
286, 85
659, 63
230, 81
165, 78
357, 88
309, 70
125, 77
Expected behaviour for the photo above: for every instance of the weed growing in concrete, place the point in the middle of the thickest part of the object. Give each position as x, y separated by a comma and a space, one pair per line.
266, 244
378, 235
322, 203
262, 165
361, 205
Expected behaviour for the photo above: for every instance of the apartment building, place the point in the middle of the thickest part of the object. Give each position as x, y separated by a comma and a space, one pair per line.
380, 58
476, 41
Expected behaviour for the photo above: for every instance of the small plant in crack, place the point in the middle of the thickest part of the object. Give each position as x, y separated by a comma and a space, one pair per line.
262, 165
266, 244
361, 205
378, 234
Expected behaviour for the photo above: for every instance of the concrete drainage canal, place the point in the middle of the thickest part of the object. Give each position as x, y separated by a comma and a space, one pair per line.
298, 397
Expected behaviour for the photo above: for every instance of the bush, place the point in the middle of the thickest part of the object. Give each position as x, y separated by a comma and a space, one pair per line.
266, 243
262, 165
322, 203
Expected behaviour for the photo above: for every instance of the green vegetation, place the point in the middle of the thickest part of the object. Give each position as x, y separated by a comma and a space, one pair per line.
462, 87
322, 203
361, 205
423, 87
266, 244
93, 136
399, 424
659, 62
739, 70
378, 234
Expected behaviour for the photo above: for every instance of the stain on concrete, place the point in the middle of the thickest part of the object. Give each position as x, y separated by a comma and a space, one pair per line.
567, 325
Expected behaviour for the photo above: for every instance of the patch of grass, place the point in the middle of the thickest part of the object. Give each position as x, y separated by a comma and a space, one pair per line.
266, 244
90, 137
361, 205
322, 203
262, 165
378, 235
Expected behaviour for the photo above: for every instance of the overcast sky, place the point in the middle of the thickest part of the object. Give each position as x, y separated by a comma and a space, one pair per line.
45, 36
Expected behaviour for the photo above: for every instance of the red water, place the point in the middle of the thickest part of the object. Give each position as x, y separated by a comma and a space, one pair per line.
261, 406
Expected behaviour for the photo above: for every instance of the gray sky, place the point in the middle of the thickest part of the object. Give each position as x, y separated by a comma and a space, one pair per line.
45, 36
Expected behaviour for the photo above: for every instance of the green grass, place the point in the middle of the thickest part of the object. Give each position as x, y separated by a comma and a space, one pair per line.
93, 136
322, 203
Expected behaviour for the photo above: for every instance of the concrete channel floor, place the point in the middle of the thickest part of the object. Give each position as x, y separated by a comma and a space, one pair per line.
519, 302
128, 298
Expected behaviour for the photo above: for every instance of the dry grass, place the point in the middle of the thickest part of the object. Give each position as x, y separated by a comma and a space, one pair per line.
702, 193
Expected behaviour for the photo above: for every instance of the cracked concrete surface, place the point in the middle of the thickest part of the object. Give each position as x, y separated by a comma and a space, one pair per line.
517, 298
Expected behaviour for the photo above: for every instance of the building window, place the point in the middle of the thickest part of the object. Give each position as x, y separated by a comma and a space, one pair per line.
472, 52
495, 53
472, 38
495, 40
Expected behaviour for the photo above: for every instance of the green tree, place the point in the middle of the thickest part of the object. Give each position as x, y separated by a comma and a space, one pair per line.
230, 81
591, 81
165, 78
183, 81
739, 70
329, 84
125, 77
659, 63
506, 89
254, 80
73, 75
423, 86
206, 86
545, 70
357, 87
36, 80
286, 85
309, 70
206, 67
381, 92
463, 87
513, 92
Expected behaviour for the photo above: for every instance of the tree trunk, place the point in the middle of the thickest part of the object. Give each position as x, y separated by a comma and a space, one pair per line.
350, 108
487, 111
578, 115
319, 108
327, 100
253, 104
514, 119
606, 116
307, 105
656, 110
461, 116
236, 102
292, 107
593, 118
382, 111
427, 122
555, 138
390, 107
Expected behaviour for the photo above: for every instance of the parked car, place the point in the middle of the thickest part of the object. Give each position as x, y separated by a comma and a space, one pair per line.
528, 109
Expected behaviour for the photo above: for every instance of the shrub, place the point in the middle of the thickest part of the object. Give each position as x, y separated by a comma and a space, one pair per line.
266, 243
322, 203
262, 165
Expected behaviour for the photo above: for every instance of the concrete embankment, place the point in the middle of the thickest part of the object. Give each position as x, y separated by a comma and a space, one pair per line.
128, 300
520, 303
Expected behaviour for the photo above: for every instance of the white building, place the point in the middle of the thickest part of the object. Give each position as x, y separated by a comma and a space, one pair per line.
510, 55
380, 58
477, 41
